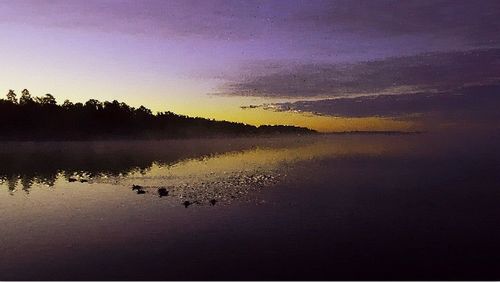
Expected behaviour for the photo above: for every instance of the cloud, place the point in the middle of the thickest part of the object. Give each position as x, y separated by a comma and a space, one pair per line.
212, 18
481, 102
469, 108
474, 23
424, 72
471, 21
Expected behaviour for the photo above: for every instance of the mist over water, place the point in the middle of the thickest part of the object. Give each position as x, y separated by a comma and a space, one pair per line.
422, 206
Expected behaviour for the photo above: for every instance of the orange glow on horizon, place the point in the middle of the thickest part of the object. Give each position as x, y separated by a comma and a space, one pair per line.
229, 108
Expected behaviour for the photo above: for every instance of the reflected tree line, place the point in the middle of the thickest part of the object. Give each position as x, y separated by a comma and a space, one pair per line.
42, 118
23, 170
24, 164
25, 181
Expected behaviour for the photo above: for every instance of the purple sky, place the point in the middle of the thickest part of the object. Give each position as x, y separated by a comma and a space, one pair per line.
171, 54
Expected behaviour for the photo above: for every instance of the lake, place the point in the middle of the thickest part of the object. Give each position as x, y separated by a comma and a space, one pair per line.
329, 207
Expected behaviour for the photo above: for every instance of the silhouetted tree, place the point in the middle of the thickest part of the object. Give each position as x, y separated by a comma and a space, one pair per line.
25, 97
93, 104
48, 99
12, 97
42, 118
144, 111
68, 105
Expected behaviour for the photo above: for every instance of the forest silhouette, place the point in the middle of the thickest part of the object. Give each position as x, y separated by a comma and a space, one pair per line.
42, 118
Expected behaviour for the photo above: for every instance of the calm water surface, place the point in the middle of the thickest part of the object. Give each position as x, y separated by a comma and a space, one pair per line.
317, 207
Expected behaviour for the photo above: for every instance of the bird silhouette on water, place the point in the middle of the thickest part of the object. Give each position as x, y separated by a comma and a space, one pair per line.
162, 192
138, 189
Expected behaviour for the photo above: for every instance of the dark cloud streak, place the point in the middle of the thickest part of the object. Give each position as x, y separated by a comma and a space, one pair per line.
482, 102
431, 71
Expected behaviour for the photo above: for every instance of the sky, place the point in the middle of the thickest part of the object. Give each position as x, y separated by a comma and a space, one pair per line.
329, 65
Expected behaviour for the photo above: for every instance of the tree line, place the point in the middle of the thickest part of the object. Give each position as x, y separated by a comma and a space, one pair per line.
42, 118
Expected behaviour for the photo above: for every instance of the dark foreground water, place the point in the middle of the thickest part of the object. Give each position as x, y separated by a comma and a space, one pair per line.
342, 207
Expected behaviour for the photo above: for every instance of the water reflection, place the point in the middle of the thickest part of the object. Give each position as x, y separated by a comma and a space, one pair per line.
26, 181
25, 164
200, 172
203, 171
336, 197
